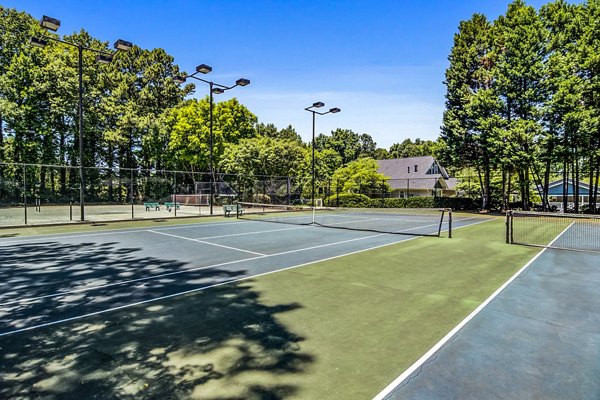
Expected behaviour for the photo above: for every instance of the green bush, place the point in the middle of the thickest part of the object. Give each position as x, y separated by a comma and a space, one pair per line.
394, 202
362, 201
420, 202
261, 198
349, 200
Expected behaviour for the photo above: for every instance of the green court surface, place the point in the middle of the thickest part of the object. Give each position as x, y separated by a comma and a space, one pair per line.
338, 328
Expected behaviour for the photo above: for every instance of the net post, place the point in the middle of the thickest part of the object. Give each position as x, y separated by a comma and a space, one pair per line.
441, 222
449, 223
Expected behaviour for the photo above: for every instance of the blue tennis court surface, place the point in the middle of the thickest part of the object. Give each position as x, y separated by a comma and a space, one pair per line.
538, 339
580, 236
54, 279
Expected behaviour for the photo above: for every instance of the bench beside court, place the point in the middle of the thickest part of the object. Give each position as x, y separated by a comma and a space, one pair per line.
229, 208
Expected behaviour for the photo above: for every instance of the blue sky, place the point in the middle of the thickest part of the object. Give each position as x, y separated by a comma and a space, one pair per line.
382, 62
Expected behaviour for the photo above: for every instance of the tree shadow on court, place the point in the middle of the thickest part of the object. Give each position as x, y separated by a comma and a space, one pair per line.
221, 343
44, 282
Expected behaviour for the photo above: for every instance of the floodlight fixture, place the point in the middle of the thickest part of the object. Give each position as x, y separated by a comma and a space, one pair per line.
203, 68
104, 58
38, 42
123, 45
50, 23
314, 113
214, 88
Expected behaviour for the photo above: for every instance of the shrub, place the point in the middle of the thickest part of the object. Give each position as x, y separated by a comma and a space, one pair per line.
394, 202
420, 202
261, 198
349, 200
362, 201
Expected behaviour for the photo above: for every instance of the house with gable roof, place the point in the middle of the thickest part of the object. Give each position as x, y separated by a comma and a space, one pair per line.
556, 191
417, 176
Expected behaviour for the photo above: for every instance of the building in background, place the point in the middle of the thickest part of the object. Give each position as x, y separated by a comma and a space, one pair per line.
556, 194
417, 176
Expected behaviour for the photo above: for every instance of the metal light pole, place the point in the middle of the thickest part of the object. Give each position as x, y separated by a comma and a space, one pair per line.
219, 89
102, 58
314, 112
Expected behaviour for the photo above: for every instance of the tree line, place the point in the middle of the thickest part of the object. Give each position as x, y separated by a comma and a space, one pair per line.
523, 101
135, 117
522, 109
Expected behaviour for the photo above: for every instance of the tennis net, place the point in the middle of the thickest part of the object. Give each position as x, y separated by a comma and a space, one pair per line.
560, 231
407, 221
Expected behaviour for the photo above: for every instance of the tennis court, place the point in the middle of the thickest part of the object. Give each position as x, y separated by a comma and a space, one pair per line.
537, 337
50, 280
181, 309
237, 309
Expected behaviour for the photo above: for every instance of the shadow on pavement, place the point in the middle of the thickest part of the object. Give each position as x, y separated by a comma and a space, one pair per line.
219, 344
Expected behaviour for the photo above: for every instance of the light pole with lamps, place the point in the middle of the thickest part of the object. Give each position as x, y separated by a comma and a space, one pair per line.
102, 57
312, 109
215, 88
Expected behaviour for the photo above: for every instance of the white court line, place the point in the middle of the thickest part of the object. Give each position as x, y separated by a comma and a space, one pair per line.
205, 242
396, 382
253, 232
473, 224
466, 218
215, 285
37, 238
210, 286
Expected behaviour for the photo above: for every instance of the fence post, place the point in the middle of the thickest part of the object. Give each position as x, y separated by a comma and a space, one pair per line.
175, 193
25, 191
131, 190
508, 226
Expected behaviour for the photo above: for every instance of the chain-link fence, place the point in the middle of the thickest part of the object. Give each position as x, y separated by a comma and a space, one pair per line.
50, 194
32, 194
